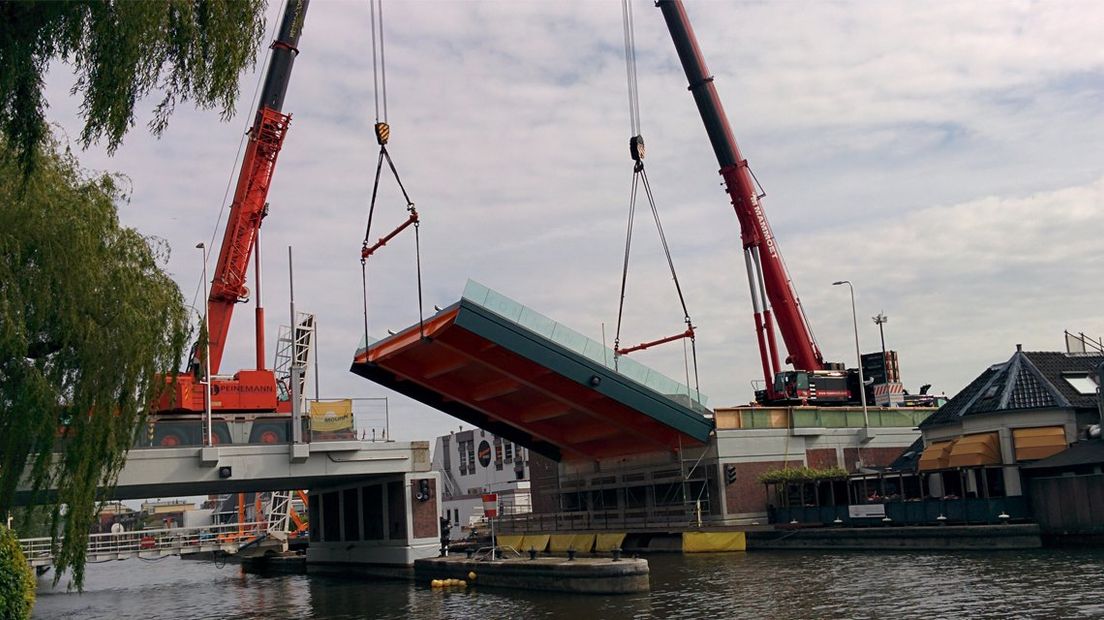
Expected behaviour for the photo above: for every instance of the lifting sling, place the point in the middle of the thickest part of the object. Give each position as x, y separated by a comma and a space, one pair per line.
640, 179
383, 134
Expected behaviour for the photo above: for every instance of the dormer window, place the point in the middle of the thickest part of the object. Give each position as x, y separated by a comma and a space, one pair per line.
1084, 383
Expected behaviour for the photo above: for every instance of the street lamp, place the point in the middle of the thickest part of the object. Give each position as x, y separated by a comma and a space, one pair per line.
858, 354
880, 320
207, 349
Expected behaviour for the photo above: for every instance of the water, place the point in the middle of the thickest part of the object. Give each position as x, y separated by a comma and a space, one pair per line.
771, 585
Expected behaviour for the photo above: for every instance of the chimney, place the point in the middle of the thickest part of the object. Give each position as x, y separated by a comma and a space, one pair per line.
1019, 347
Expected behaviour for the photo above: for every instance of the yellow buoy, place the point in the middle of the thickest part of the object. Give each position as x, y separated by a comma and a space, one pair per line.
471, 576
436, 583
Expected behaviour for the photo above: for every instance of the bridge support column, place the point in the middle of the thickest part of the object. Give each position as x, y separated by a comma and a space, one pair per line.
384, 522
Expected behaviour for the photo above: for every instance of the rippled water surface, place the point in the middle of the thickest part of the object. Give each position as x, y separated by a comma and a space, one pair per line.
1035, 584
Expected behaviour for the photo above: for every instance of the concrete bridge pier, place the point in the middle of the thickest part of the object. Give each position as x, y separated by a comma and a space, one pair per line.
374, 526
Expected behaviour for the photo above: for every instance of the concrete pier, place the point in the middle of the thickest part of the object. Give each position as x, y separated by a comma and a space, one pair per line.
557, 574
927, 538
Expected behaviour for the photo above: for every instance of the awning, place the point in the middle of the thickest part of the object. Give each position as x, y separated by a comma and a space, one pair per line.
496, 364
975, 450
936, 456
1039, 442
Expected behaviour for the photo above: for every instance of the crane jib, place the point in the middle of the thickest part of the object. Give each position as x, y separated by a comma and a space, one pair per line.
766, 270
249, 205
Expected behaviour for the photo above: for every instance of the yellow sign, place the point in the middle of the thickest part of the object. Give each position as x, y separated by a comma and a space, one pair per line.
331, 415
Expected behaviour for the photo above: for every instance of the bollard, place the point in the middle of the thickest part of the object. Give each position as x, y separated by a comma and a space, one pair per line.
532, 553
469, 552
570, 554
616, 554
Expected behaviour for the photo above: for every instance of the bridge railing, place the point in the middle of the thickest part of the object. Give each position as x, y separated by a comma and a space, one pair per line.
156, 542
334, 419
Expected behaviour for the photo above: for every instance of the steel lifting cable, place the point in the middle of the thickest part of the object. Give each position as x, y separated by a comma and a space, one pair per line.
383, 133
640, 178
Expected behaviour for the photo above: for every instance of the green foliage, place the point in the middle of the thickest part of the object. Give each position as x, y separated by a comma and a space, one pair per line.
121, 52
802, 474
17, 580
87, 321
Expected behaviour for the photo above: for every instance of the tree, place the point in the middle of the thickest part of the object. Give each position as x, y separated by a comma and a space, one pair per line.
121, 52
17, 581
88, 322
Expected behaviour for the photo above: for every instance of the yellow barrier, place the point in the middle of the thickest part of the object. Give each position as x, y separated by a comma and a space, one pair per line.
509, 540
706, 542
560, 543
607, 542
534, 541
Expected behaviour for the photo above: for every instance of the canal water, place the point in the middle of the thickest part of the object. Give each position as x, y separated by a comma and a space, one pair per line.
1024, 584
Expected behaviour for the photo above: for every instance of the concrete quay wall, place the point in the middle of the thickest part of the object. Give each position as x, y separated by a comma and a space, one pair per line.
961, 537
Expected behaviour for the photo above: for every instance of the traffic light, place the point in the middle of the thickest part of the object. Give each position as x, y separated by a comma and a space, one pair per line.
730, 473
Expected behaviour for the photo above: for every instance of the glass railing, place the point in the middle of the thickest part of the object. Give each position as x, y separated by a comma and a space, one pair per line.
572, 340
823, 417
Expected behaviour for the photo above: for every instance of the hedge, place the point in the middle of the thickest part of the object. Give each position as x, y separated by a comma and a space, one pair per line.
17, 580
802, 474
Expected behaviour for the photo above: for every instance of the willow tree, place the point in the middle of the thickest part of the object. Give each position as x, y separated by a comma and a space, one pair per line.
121, 52
88, 322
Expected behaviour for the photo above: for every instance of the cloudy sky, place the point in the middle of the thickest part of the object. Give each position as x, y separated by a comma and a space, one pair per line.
946, 157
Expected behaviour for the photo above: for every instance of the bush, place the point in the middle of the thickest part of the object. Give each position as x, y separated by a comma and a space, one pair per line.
17, 581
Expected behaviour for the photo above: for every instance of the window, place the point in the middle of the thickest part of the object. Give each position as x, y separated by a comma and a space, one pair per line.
1083, 383
462, 452
498, 454
508, 449
471, 457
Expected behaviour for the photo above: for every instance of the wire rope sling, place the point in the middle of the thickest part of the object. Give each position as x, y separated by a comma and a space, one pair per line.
383, 133
640, 180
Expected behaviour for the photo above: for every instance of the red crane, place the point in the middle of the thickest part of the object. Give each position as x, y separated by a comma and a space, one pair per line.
249, 207
252, 390
773, 297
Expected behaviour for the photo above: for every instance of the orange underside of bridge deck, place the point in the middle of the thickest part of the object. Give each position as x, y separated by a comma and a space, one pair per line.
473, 378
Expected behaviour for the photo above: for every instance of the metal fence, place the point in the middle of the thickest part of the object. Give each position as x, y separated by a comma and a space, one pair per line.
153, 543
659, 519
921, 512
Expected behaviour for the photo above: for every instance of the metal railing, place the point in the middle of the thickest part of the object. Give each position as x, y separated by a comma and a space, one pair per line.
974, 510
151, 544
819, 417
609, 520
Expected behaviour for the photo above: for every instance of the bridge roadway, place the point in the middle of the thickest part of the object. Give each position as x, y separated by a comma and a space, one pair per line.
198, 470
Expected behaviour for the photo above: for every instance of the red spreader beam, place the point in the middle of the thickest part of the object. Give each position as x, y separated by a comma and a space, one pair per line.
368, 251
689, 333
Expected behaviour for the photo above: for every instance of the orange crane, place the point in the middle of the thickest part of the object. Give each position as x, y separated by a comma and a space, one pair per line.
249, 390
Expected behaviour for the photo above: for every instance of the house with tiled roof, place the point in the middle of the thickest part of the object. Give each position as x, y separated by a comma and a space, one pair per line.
1030, 407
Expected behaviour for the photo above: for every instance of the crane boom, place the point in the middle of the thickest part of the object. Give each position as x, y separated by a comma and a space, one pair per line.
771, 288
249, 207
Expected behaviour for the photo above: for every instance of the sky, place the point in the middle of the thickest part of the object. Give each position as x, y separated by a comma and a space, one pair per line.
946, 157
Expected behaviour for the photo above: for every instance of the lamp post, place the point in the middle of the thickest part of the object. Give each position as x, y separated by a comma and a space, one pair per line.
880, 320
206, 349
858, 354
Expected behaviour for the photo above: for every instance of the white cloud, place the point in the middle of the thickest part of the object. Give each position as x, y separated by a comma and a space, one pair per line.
947, 158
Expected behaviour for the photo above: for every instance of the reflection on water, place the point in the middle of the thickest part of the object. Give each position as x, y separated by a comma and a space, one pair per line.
1022, 584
